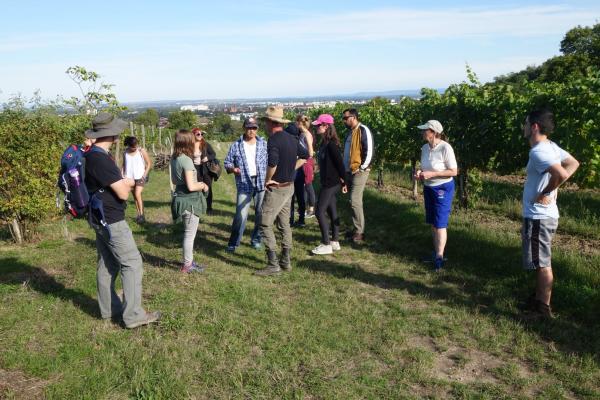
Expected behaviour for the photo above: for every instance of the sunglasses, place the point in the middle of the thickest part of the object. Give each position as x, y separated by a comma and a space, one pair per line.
199, 134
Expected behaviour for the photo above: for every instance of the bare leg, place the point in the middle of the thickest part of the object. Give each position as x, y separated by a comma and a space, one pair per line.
544, 280
440, 236
139, 203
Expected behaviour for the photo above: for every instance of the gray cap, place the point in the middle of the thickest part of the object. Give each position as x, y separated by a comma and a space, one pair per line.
105, 124
250, 122
432, 124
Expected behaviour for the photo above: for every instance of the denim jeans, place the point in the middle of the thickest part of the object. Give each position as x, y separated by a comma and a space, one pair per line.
241, 216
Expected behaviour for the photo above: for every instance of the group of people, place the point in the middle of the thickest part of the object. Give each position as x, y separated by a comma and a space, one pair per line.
270, 173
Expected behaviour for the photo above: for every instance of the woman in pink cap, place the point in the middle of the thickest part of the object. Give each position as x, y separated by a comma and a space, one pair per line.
332, 174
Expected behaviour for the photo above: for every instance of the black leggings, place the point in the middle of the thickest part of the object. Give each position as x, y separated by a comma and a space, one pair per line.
327, 205
309, 193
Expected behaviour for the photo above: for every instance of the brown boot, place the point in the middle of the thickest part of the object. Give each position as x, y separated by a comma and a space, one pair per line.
544, 310
358, 238
272, 267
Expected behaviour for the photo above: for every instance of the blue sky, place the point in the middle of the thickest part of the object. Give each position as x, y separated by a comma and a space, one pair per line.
157, 50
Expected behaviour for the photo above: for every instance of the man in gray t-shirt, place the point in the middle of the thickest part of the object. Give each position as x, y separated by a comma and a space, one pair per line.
549, 166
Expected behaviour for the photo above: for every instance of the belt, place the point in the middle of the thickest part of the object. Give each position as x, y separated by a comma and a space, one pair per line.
280, 185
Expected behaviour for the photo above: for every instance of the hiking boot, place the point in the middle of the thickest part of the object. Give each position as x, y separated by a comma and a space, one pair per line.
335, 246
544, 310
140, 219
349, 235
150, 318
272, 267
322, 249
358, 238
256, 245
299, 224
230, 249
285, 261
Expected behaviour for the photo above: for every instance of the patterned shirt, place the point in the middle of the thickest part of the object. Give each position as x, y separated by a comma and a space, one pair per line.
236, 158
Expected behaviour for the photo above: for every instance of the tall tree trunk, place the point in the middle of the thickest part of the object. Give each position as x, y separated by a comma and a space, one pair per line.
413, 170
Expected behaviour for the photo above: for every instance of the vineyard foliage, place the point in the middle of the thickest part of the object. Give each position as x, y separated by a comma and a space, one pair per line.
484, 123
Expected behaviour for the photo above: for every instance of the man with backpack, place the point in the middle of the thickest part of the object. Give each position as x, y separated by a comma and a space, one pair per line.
117, 251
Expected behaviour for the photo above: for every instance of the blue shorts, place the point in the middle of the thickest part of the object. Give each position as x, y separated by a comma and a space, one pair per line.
438, 203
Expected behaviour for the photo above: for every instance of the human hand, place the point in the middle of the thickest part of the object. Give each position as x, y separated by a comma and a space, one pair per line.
543, 199
427, 174
271, 183
205, 159
417, 174
204, 187
237, 171
345, 189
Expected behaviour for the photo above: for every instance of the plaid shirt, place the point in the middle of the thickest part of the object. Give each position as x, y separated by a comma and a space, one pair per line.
236, 158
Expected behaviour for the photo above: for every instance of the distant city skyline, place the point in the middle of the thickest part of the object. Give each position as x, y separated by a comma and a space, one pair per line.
158, 51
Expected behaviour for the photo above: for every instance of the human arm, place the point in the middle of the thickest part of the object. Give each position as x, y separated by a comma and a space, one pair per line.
122, 187
210, 155
229, 163
559, 174
269, 177
191, 182
366, 147
147, 162
309, 141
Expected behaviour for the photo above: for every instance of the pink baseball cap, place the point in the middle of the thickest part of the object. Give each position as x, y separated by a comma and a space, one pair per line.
323, 119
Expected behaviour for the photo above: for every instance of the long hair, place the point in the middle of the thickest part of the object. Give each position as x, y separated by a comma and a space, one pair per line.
330, 135
303, 120
184, 144
203, 144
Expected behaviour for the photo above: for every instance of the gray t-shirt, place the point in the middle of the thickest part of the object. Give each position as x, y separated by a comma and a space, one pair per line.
541, 157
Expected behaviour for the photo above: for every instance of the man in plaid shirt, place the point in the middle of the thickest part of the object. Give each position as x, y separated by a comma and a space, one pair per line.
247, 160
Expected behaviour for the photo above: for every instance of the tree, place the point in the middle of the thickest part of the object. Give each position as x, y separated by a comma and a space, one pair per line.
148, 117
185, 119
96, 95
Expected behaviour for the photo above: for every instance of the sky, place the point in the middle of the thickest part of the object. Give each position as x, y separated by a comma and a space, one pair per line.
159, 50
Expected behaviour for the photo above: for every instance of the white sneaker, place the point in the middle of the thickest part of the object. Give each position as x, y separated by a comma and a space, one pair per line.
335, 246
322, 249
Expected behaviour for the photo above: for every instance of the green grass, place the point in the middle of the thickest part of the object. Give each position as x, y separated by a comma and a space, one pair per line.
370, 322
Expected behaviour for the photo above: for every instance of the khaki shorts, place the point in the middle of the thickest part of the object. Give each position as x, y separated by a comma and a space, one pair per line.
537, 235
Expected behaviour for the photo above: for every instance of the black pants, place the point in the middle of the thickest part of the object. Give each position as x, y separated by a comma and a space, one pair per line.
298, 195
210, 196
326, 206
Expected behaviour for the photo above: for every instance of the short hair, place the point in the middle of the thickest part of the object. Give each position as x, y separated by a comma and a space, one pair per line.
130, 141
544, 119
351, 111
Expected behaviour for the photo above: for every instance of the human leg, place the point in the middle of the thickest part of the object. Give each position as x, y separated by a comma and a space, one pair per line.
258, 205
190, 227
125, 251
239, 220
139, 202
107, 272
359, 181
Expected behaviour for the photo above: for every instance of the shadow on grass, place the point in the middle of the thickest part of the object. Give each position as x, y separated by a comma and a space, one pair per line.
15, 272
483, 272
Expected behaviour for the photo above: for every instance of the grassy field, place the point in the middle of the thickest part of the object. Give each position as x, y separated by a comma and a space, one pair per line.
367, 322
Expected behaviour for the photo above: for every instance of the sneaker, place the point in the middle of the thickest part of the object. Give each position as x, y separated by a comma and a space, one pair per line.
230, 249
335, 246
323, 249
298, 224
309, 214
140, 219
193, 267
256, 245
438, 263
150, 318
198, 267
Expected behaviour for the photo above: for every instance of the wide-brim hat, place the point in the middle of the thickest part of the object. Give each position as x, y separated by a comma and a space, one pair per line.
105, 124
274, 113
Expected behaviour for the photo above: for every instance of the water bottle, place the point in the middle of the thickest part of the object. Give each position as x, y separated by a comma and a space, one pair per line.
76, 183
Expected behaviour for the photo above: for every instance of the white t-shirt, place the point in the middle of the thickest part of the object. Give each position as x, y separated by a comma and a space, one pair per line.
541, 157
440, 158
250, 151
135, 166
